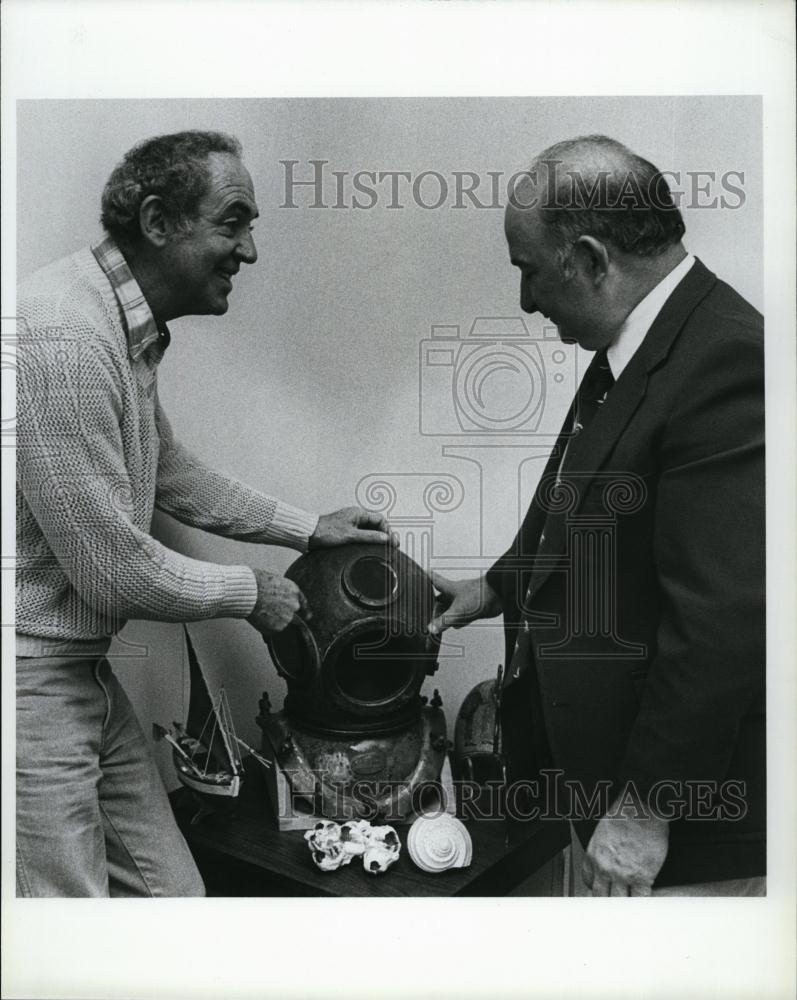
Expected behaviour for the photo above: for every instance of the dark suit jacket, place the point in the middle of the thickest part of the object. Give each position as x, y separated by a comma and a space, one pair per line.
642, 581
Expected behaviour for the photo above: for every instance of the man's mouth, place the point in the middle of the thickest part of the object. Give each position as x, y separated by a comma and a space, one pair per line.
226, 277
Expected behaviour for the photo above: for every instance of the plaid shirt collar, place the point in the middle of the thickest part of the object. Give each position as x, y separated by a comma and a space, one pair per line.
141, 327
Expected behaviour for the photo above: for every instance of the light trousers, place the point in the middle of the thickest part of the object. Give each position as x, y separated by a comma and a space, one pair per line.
93, 817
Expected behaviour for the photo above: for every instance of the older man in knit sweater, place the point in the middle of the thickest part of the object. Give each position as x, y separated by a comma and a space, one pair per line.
96, 455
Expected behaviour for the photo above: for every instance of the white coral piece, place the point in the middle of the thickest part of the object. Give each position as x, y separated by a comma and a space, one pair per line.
325, 843
333, 845
382, 851
355, 835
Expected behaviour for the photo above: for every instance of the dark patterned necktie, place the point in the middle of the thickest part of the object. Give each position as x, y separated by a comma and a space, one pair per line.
590, 398
593, 390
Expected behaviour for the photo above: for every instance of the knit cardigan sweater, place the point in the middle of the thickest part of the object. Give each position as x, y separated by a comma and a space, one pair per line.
95, 456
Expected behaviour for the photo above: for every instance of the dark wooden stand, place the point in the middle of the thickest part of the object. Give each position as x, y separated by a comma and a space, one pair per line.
243, 855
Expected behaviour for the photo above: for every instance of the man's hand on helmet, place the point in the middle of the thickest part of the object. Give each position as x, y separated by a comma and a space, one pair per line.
278, 600
351, 524
460, 602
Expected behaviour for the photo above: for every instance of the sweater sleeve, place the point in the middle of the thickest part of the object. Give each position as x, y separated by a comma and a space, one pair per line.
72, 475
204, 498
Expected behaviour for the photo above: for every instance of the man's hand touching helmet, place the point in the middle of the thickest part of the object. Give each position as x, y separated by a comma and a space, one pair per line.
460, 602
351, 524
278, 601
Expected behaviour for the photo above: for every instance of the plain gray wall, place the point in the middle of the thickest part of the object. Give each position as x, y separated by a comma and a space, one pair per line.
311, 381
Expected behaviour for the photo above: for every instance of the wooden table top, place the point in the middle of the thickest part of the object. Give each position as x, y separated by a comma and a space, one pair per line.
283, 858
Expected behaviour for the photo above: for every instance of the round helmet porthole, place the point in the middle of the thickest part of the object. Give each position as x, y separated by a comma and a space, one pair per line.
370, 581
368, 671
295, 652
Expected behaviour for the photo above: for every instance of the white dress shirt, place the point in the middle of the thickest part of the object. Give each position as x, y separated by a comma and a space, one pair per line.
633, 331
640, 319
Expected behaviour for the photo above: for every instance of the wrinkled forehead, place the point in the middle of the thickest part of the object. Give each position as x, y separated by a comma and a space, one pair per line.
229, 184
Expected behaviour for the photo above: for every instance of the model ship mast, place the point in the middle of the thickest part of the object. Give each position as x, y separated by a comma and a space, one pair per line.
206, 750
210, 724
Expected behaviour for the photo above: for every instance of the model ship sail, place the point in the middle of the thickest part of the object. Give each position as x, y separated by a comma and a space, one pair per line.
206, 750
209, 722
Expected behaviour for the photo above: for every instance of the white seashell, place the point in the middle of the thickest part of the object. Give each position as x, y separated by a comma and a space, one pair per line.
439, 843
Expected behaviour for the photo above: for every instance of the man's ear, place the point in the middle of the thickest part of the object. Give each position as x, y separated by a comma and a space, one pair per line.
593, 256
155, 227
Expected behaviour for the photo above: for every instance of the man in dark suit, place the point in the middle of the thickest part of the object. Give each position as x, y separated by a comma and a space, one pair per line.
633, 594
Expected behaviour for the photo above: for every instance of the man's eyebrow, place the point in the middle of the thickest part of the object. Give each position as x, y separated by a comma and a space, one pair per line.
242, 207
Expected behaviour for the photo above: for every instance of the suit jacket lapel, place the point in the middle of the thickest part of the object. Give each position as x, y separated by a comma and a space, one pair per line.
588, 451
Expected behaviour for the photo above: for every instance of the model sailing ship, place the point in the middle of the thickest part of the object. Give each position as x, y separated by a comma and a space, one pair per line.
206, 750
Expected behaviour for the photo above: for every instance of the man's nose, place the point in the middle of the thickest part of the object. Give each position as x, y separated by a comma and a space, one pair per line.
246, 249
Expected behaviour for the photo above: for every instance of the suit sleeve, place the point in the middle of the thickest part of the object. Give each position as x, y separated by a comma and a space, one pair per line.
504, 575
709, 551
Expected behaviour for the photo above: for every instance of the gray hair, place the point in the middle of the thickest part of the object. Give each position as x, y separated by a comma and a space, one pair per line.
174, 167
596, 186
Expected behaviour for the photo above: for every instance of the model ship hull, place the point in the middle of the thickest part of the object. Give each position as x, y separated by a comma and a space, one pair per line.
205, 750
203, 787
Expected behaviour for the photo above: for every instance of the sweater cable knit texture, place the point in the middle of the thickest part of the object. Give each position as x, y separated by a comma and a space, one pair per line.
95, 456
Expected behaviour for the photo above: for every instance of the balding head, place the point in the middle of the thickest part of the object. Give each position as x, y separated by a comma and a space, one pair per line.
592, 228
596, 186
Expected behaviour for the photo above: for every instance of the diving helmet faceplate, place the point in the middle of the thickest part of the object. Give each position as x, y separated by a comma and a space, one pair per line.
358, 663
